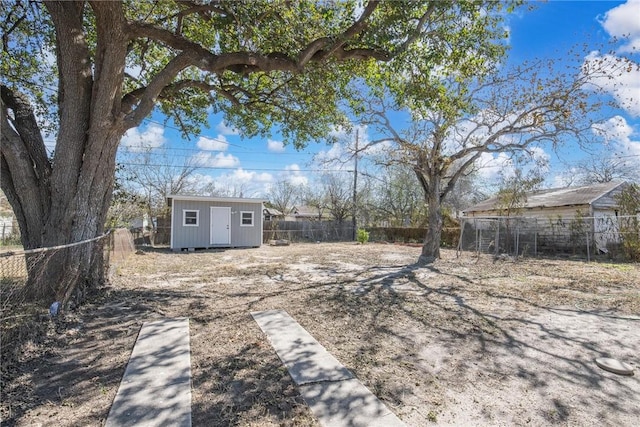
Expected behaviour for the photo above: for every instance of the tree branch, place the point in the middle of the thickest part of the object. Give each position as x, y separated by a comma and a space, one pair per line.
417, 32
149, 95
27, 128
314, 50
22, 180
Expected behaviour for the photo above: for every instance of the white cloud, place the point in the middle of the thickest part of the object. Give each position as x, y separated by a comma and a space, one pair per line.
134, 71
243, 176
219, 160
348, 136
541, 157
564, 179
492, 167
621, 79
340, 154
225, 129
623, 22
199, 180
620, 136
614, 129
242, 183
149, 139
49, 142
507, 31
293, 174
335, 157
275, 146
213, 144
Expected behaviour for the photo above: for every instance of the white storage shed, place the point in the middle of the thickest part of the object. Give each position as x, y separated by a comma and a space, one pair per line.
215, 222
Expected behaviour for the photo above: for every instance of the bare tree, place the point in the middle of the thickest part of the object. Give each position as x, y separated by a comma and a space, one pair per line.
511, 111
338, 195
315, 197
284, 195
512, 195
600, 169
399, 198
152, 176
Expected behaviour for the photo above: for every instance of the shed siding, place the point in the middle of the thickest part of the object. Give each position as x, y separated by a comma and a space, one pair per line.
200, 236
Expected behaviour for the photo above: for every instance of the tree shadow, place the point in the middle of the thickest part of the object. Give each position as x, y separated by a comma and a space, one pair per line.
405, 328
552, 349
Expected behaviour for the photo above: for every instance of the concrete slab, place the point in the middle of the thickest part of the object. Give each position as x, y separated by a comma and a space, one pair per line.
334, 395
156, 387
347, 403
305, 358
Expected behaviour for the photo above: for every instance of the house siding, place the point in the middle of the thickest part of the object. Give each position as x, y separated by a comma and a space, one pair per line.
185, 237
554, 228
549, 218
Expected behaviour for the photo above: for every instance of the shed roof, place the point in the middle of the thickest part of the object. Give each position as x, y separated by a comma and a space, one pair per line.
555, 197
212, 199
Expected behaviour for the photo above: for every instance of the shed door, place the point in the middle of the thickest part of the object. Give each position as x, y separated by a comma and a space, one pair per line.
220, 226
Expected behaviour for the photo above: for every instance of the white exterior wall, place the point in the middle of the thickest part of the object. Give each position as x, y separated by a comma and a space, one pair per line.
6, 226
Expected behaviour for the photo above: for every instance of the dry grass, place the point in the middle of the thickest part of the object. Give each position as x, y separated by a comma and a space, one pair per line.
465, 341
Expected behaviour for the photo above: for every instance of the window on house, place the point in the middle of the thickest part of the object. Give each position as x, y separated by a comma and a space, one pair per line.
190, 218
246, 219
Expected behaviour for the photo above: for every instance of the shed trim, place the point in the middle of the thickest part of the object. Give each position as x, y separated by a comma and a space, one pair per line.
173, 215
214, 199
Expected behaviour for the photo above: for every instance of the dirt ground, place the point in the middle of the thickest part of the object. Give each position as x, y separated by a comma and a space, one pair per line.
466, 341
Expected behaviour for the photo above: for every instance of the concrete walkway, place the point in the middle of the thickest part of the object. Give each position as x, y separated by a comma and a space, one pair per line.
334, 395
156, 387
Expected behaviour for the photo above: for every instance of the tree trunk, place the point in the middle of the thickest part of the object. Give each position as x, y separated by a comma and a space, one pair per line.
68, 274
64, 200
430, 182
431, 246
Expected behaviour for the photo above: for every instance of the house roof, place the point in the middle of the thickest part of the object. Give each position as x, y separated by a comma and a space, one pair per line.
212, 199
308, 211
272, 212
555, 197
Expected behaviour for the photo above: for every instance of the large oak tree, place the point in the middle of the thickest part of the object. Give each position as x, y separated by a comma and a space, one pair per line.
90, 70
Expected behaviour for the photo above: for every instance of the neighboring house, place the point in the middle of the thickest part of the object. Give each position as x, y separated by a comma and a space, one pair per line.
6, 227
7, 219
215, 222
141, 223
271, 214
561, 211
308, 213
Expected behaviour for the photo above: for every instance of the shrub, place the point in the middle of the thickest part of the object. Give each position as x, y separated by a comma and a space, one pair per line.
362, 236
629, 206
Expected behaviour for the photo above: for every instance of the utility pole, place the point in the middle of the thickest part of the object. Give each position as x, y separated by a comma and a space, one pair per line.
355, 186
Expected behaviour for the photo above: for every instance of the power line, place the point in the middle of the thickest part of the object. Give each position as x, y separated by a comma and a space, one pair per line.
235, 168
152, 151
164, 125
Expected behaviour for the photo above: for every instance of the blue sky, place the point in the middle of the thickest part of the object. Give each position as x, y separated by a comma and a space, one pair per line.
550, 30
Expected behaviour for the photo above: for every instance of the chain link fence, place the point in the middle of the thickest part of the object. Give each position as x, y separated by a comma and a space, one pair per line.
22, 320
15, 264
583, 237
